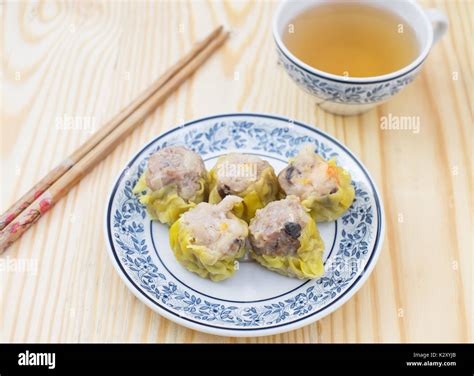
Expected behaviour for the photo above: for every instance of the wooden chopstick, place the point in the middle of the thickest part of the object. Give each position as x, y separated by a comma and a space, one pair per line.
57, 189
103, 131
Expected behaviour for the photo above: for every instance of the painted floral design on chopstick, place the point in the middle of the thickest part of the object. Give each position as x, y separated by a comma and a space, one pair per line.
16, 228
9, 217
32, 215
28, 198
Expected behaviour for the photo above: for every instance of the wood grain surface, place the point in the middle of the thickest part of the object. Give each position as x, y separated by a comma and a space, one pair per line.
68, 67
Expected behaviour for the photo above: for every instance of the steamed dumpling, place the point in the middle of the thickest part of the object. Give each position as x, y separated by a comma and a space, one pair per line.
323, 187
208, 239
246, 176
285, 239
175, 180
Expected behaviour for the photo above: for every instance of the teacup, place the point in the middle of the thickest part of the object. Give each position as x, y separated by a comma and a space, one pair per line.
349, 95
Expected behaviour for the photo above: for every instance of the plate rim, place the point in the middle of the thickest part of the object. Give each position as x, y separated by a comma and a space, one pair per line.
257, 332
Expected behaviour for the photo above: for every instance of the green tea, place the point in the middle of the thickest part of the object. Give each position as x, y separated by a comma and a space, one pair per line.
353, 40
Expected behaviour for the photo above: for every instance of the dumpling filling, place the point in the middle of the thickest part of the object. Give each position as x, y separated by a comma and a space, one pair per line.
276, 229
323, 187
175, 165
175, 181
236, 172
308, 174
216, 228
246, 176
285, 239
208, 239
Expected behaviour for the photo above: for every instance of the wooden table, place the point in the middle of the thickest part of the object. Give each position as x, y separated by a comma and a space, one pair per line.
68, 68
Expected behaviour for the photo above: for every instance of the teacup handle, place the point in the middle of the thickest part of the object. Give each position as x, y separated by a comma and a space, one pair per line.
440, 22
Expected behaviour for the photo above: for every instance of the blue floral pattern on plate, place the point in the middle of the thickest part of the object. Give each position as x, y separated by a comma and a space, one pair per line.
358, 234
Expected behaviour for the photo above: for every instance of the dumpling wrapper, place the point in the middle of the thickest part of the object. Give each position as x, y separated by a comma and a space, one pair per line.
174, 181
165, 204
307, 261
332, 206
203, 259
256, 196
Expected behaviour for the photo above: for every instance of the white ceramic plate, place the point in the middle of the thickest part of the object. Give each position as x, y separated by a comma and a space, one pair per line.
255, 301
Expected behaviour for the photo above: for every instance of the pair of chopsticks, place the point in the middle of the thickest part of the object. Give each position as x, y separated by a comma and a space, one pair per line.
57, 183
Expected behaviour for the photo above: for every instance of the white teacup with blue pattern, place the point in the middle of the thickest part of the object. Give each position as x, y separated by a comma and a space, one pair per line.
350, 95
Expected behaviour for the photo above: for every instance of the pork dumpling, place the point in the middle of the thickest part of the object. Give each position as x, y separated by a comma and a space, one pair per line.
285, 239
246, 176
175, 180
322, 186
208, 239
